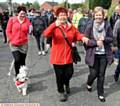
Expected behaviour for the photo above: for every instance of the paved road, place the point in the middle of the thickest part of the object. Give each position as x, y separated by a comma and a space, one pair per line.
42, 86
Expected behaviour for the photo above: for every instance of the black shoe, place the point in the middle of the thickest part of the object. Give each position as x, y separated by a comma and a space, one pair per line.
67, 88
116, 76
62, 97
101, 98
89, 88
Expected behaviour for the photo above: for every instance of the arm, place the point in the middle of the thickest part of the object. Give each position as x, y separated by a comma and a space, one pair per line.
109, 39
115, 32
48, 31
9, 28
79, 36
92, 42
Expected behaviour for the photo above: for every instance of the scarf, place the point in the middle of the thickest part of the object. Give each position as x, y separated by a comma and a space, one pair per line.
99, 30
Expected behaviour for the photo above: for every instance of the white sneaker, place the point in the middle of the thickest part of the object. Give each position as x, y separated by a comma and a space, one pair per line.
116, 61
43, 53
39, 53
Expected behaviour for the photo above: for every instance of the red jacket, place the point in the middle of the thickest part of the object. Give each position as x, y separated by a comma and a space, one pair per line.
61, 51
17, 33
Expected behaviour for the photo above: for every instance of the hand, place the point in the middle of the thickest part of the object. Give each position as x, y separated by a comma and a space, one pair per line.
101, 38
114, 49
100, 43
85, 40
57, 22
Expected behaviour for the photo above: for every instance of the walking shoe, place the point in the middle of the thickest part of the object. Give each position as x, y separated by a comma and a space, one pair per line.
89, 88
67, 88
43, 53
39, 53
116, 76
62, 97
116, 61
101, 98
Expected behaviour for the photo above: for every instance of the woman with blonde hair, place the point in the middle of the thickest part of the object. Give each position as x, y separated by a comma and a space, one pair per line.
98, 51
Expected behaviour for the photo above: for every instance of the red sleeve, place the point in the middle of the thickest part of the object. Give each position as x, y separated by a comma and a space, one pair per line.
78, 35
48, 31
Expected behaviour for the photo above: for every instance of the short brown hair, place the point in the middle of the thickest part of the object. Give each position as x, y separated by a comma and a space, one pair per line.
21, 8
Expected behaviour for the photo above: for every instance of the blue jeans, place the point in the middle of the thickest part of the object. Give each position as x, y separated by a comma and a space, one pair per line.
117, 71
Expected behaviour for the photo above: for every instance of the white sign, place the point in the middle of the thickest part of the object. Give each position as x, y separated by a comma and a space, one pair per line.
76, 1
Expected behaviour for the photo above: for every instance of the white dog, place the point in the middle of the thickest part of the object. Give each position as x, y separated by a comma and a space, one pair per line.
22, 80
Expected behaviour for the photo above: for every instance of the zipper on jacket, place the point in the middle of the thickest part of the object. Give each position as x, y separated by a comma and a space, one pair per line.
65, 52
20, 31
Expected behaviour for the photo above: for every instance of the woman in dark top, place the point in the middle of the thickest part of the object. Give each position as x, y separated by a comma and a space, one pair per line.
98, 51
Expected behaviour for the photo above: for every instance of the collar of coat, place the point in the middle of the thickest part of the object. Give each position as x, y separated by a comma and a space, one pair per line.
69, 25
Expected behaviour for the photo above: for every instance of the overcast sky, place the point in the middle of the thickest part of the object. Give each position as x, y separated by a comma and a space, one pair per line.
42, 1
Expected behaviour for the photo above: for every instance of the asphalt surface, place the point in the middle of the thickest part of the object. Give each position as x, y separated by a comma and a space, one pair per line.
42, 83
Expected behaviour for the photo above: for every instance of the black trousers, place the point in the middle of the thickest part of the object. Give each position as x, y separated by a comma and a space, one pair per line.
40, 41
49, 41
63, 75
5, 37
98, 71
19, 60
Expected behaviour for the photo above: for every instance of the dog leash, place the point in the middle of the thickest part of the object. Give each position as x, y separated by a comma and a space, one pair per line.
11, 67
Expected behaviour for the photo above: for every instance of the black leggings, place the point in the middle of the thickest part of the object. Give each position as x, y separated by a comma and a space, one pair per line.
19, 60
40, 41
63, 75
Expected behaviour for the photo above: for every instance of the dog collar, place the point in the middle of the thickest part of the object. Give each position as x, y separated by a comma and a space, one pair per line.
19, 82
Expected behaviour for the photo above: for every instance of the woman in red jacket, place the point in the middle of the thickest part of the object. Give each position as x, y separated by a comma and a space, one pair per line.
61, 56
17, 32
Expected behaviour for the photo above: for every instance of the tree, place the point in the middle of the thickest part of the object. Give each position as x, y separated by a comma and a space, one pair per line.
78, 5
103, 3
28, 5
36, 5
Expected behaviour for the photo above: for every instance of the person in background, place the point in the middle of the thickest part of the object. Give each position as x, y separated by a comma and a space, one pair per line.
76, 17
115, 16
5, 18
61, 56
83, 22
116, 34
39, 25
98, 51
51, 18
70, 15
31, 14
106, 15
17, 32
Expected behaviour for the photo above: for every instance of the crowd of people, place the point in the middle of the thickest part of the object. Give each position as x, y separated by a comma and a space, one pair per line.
98, 33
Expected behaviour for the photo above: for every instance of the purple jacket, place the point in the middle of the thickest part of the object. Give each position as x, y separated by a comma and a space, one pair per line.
92, 44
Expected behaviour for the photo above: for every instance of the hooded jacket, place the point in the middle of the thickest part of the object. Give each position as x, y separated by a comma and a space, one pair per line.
61, 51
17, 32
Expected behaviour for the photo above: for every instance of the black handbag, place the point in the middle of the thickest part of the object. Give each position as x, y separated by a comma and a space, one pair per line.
75, 55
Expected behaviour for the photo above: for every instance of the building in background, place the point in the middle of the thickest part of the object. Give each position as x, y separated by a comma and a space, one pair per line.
48, 5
